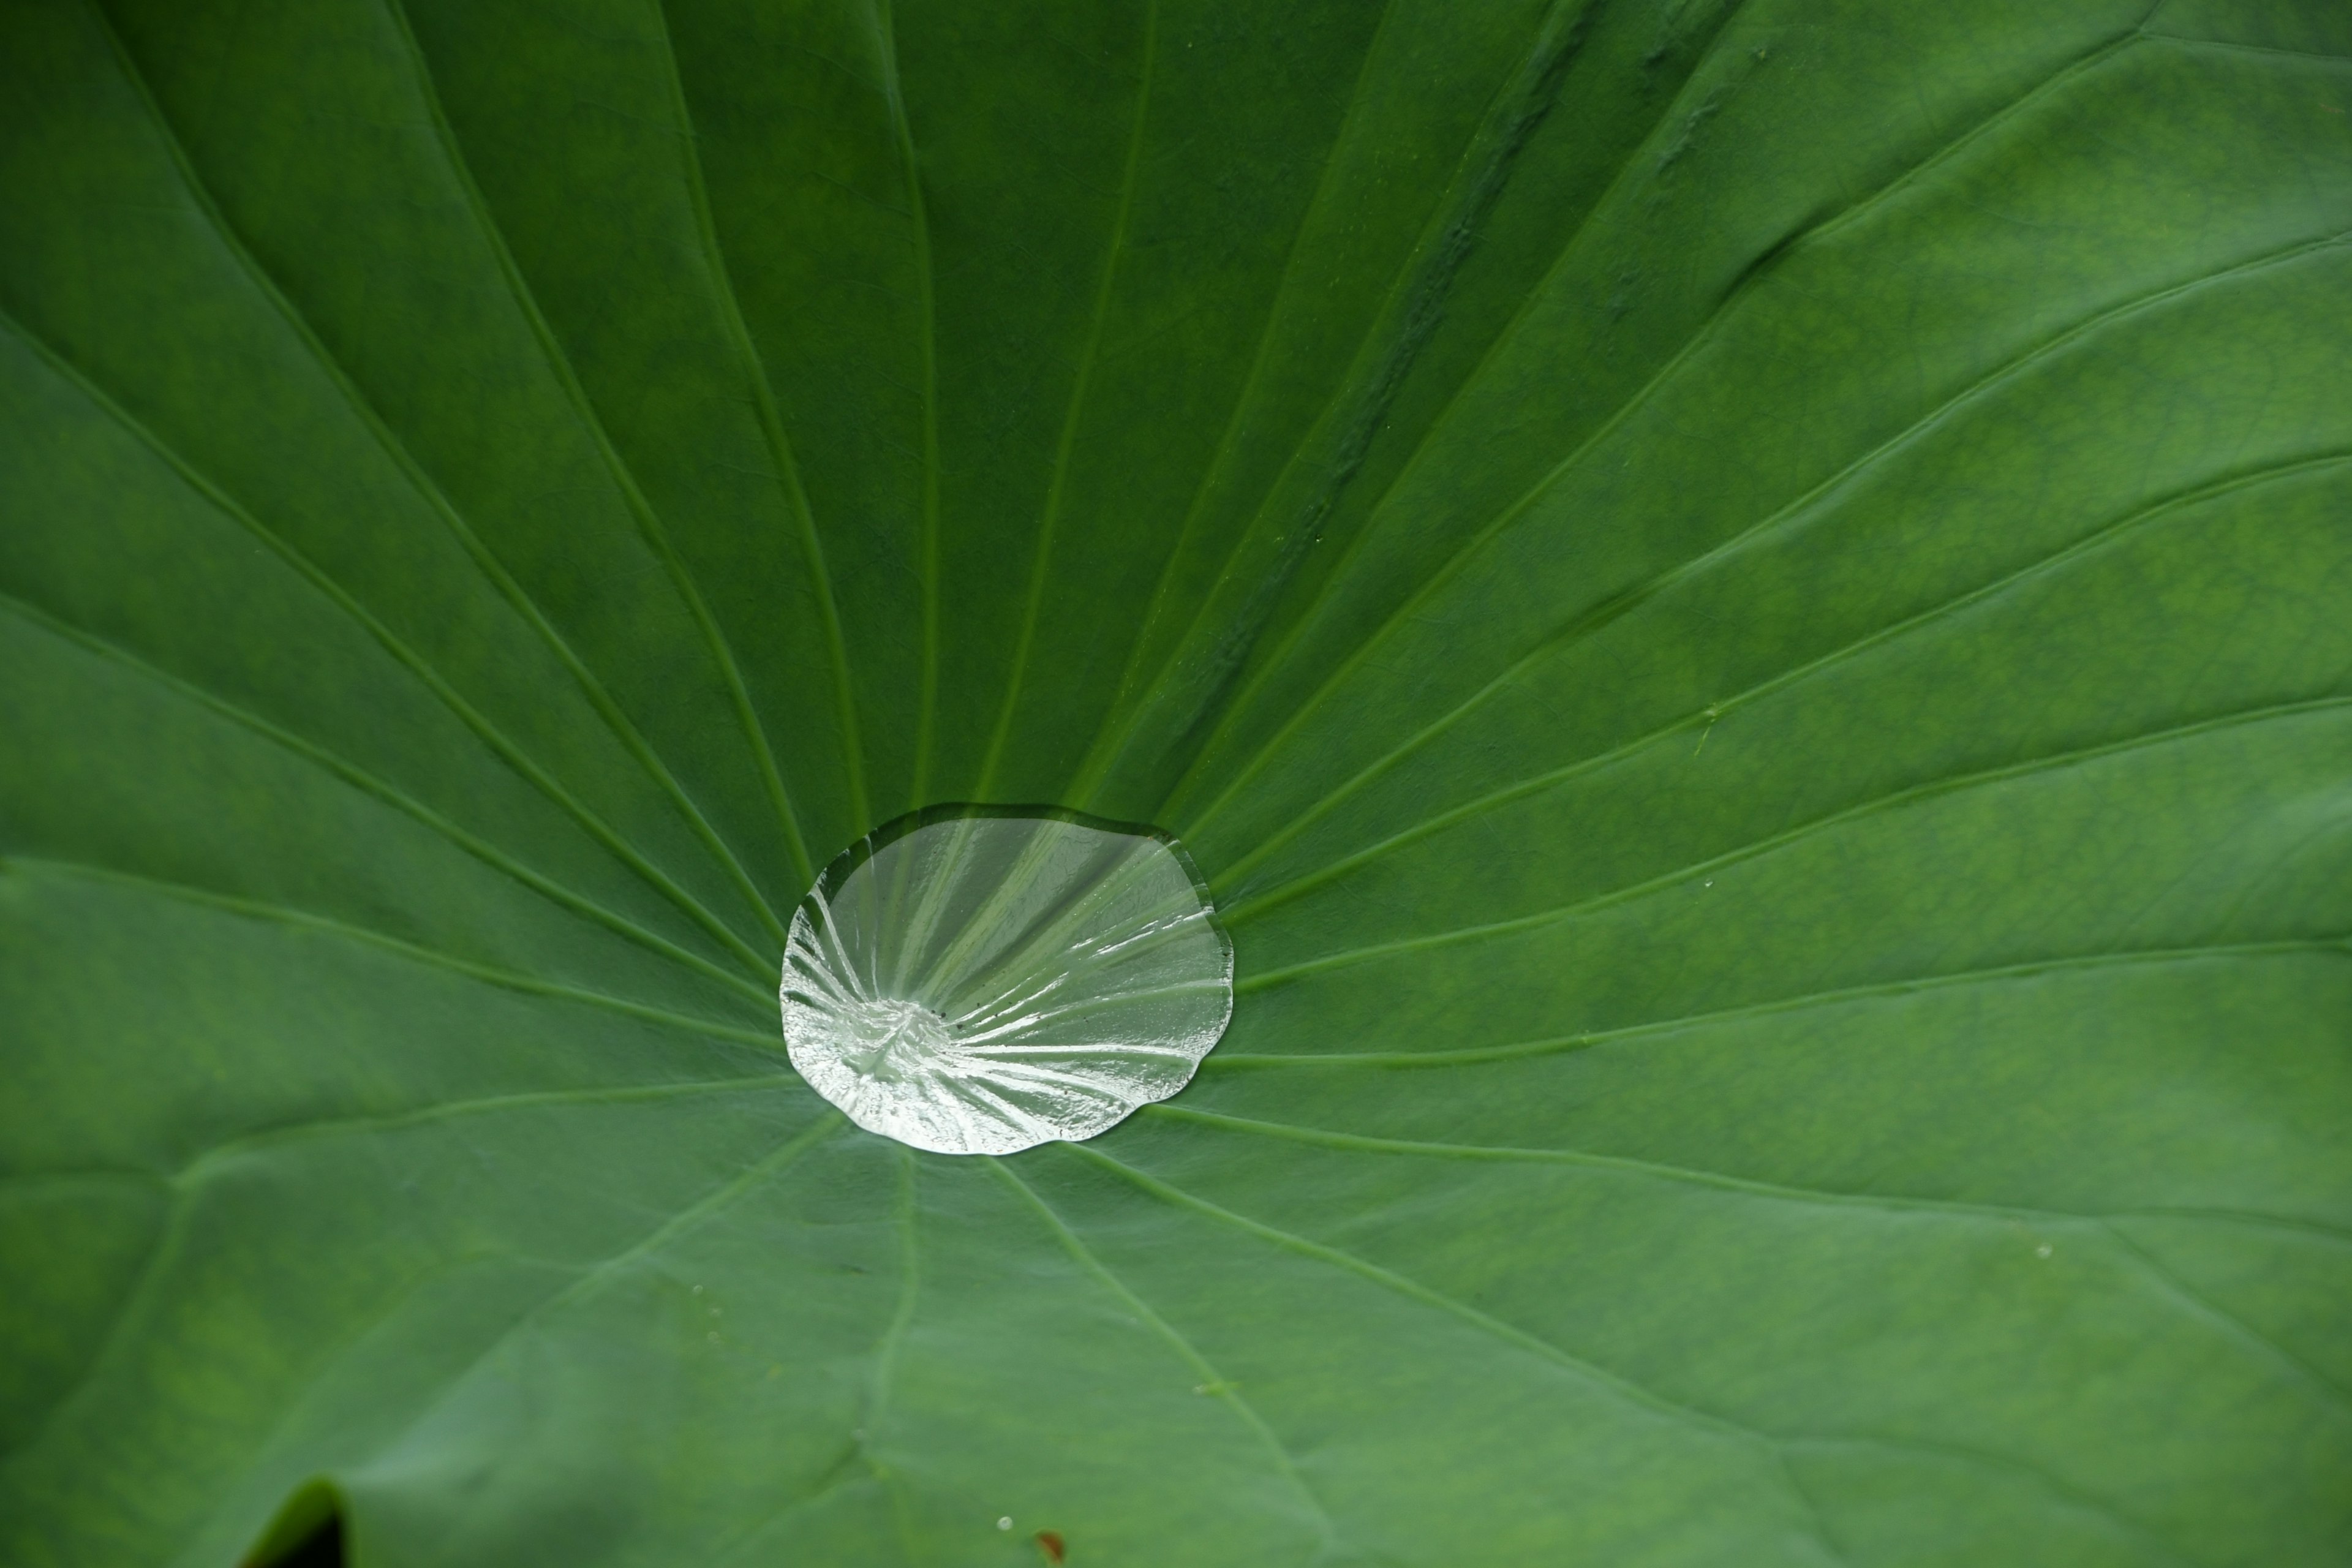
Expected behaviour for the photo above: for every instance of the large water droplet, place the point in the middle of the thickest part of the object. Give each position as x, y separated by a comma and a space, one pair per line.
977, 984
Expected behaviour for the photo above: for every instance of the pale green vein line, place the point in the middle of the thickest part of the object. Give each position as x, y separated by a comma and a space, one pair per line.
2067, 1495
835, 1476
368, 784
2090, 544
1624, 1390
780, 447
608, 1269
134, 1301
894, 1337
2245, 1219
303, 920
649, 524
839, 1473
156, 1266
2198, 1305
1982, 389
1824, 1537
1049, 521
1415, 295
313, 1371
1101, 753
886, 1352
1701, 334
193, 1171
510, 588
2227, 46
1522, 1050
1211, 1380
1777, 1191
927, 701
159, 1261
201, 1167
1654, 1170
402, 654
731, 1550
1894, 801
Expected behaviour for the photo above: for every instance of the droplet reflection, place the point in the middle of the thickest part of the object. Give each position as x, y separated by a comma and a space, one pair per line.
981, 983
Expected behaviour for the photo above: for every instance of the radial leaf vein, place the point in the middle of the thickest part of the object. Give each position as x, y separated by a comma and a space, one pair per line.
610, 1267
1414, 306
509, 587
1556, 1045
902, 127
1100, 754
304, 920
1803, 830
1661, 1171
1626, 1391
649, 524
1211, 1380
367, 783
2075, 550
1049, 520
771, 426
513, 755
1459, 557
200, 1168
2196, 1304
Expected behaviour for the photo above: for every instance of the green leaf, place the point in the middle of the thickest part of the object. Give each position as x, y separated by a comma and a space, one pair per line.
1743, 605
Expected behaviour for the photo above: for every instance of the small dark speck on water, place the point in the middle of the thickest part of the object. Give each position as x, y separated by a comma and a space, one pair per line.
1049, 1541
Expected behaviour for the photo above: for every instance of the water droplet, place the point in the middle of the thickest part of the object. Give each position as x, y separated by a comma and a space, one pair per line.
983, 983
2042, 1250
1004, 1524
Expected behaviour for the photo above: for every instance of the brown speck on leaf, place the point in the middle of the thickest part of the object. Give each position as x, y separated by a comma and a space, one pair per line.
1049, 1541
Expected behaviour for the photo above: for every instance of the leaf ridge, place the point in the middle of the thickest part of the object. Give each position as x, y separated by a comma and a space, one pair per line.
151, 1271
196, 1169
513, 755
1211, 1380
649, 524
2197, 1304
1835, 820
1558, 1045
2075, 550
510, 588
1662, 1171
361, 779
1700, 335
1097, 759
772, 428
1634, 1394
1041, 558
1415, 300
2231, 46
2068, 1495
606, 1268
304, 920
927, 701
2200, 1307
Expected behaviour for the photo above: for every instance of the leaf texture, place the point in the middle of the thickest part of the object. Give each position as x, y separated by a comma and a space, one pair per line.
1742, 602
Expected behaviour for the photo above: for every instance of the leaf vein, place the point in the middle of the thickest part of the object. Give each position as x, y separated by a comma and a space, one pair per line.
1892, 801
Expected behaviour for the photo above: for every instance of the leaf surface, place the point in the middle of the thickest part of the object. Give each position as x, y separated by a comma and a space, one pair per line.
1744, 605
